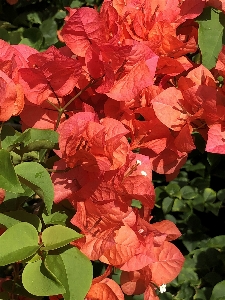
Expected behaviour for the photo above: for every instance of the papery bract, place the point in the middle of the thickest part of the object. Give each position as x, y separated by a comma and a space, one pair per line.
168, 264
50, 73
168, 109
216, 138
105, 289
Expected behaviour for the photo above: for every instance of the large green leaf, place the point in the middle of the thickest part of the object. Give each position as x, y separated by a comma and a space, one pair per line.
32, 37
73, 269
11, 218
187, 192
218, 292
8, 136
14, 200
4, 35
216, 242
37, 139
8, 178
38, 179
209, 195
20, 241
40, 281
49, 31
210, 35
57, 218
58, 236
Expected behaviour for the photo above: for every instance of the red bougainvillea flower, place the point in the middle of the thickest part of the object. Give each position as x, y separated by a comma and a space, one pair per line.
115, 187
12, 96
49, 73
96, 145
103, 287
118, 65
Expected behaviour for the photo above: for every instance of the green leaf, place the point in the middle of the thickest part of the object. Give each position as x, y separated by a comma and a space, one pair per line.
166, 296
198, 168
58, 236
209, 195
75, 4
8, 178
37, 139
187, 192
216, 242
185, 292
15, 37
49, 31
32, 37
167, 205
218, 291
55, 218
4, 34
198, 203
14, 200
20, 241
188, 275
38, 179
73, 269
8, 136
214, 207
61, 14
179, 205
221, 195
34, 18
171, 218
210, 35
9, 219
173, 190
200, 183
136, 203
39, 281
200, 295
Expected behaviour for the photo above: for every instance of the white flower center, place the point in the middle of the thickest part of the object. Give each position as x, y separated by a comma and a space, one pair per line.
143, 173
162, 288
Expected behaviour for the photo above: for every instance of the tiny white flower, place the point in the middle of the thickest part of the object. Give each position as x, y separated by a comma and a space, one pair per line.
143, 173
162, 288
138, 162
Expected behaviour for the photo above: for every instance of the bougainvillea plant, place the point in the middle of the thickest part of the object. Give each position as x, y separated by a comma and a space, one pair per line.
124, 97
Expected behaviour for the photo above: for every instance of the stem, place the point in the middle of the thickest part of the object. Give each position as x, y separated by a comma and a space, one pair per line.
52, 104
57, 171
80, 92
62, 109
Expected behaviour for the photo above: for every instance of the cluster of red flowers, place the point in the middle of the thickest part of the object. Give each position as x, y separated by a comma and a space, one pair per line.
125, 98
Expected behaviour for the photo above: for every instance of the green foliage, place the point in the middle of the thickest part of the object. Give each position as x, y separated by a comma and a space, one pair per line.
35, 23
58, 236
38, 280
20, 241
36, 177
10, 218
73, 269
8, 178
211, 35
195, 201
